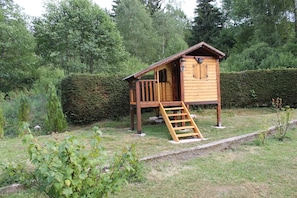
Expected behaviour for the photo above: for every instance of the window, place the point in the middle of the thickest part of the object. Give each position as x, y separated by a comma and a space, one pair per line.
163, 75
200, 71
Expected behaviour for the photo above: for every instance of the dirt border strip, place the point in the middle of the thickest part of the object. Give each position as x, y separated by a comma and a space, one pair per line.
14, 188
190, 153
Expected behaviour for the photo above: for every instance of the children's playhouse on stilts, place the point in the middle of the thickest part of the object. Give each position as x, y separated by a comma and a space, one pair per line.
190, 77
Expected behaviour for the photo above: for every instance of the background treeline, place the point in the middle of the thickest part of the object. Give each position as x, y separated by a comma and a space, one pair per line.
77, 36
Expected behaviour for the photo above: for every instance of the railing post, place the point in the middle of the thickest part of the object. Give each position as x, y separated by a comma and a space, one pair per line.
158, 87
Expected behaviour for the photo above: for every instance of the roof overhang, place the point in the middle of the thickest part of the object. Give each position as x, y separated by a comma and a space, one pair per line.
200, 49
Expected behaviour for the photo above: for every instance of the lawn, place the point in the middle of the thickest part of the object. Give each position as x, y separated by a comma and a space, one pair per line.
244, 171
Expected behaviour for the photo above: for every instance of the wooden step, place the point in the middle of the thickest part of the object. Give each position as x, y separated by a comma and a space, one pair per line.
172, 103
173, 108
176, 114
179, 121
183, 127
187, 134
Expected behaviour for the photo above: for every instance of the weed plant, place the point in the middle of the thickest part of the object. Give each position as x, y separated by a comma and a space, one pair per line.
283, 115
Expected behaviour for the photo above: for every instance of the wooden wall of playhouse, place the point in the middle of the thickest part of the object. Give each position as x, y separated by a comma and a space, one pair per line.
166, 92
200, 80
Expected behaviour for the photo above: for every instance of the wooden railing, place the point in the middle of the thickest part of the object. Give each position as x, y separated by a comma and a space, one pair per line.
147, 91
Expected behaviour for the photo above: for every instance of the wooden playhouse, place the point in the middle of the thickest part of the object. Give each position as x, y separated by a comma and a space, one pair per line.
190, 77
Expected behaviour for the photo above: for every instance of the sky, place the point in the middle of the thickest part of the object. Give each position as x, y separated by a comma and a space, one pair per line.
35, 8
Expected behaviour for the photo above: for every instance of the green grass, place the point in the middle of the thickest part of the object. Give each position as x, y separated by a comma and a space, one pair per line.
233, 173
244, 171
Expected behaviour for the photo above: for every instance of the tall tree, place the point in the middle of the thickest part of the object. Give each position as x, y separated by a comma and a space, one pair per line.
115, 4
207, 23
135, 25
17, 45
152, 6
170, 25
79, 36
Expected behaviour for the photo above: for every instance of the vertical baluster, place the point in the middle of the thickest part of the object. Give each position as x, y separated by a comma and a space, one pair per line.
142, 91
146, 91
151, 91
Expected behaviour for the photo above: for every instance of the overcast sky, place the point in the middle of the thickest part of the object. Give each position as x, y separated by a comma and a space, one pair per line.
35, 8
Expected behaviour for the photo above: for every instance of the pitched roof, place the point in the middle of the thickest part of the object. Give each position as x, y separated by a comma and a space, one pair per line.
200, 49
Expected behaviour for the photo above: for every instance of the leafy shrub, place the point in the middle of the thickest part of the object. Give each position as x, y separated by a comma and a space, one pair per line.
15, 172
72, 168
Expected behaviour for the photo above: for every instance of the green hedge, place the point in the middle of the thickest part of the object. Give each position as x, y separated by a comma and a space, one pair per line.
257, 88
89, 98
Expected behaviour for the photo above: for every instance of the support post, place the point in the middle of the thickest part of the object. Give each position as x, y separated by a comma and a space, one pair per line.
138, 108
219, 118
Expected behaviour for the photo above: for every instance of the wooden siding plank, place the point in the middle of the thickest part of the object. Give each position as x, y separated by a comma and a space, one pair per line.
200, 80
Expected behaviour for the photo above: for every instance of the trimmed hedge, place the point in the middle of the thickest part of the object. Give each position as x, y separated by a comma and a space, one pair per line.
257, 88
88, 98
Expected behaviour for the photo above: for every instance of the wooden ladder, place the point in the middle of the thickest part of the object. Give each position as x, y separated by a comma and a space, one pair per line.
179, 121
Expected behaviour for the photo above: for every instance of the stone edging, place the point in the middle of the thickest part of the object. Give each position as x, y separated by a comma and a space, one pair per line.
14, 188
190, 153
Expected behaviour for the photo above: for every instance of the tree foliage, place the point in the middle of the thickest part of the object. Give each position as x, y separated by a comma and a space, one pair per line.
17, 45
263, 26
259, 56
266, 21
152, 6
135, 25
151, 35
78, 36
170, 26
207, 22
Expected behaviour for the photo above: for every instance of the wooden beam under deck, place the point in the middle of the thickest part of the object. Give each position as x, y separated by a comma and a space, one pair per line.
156, 104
